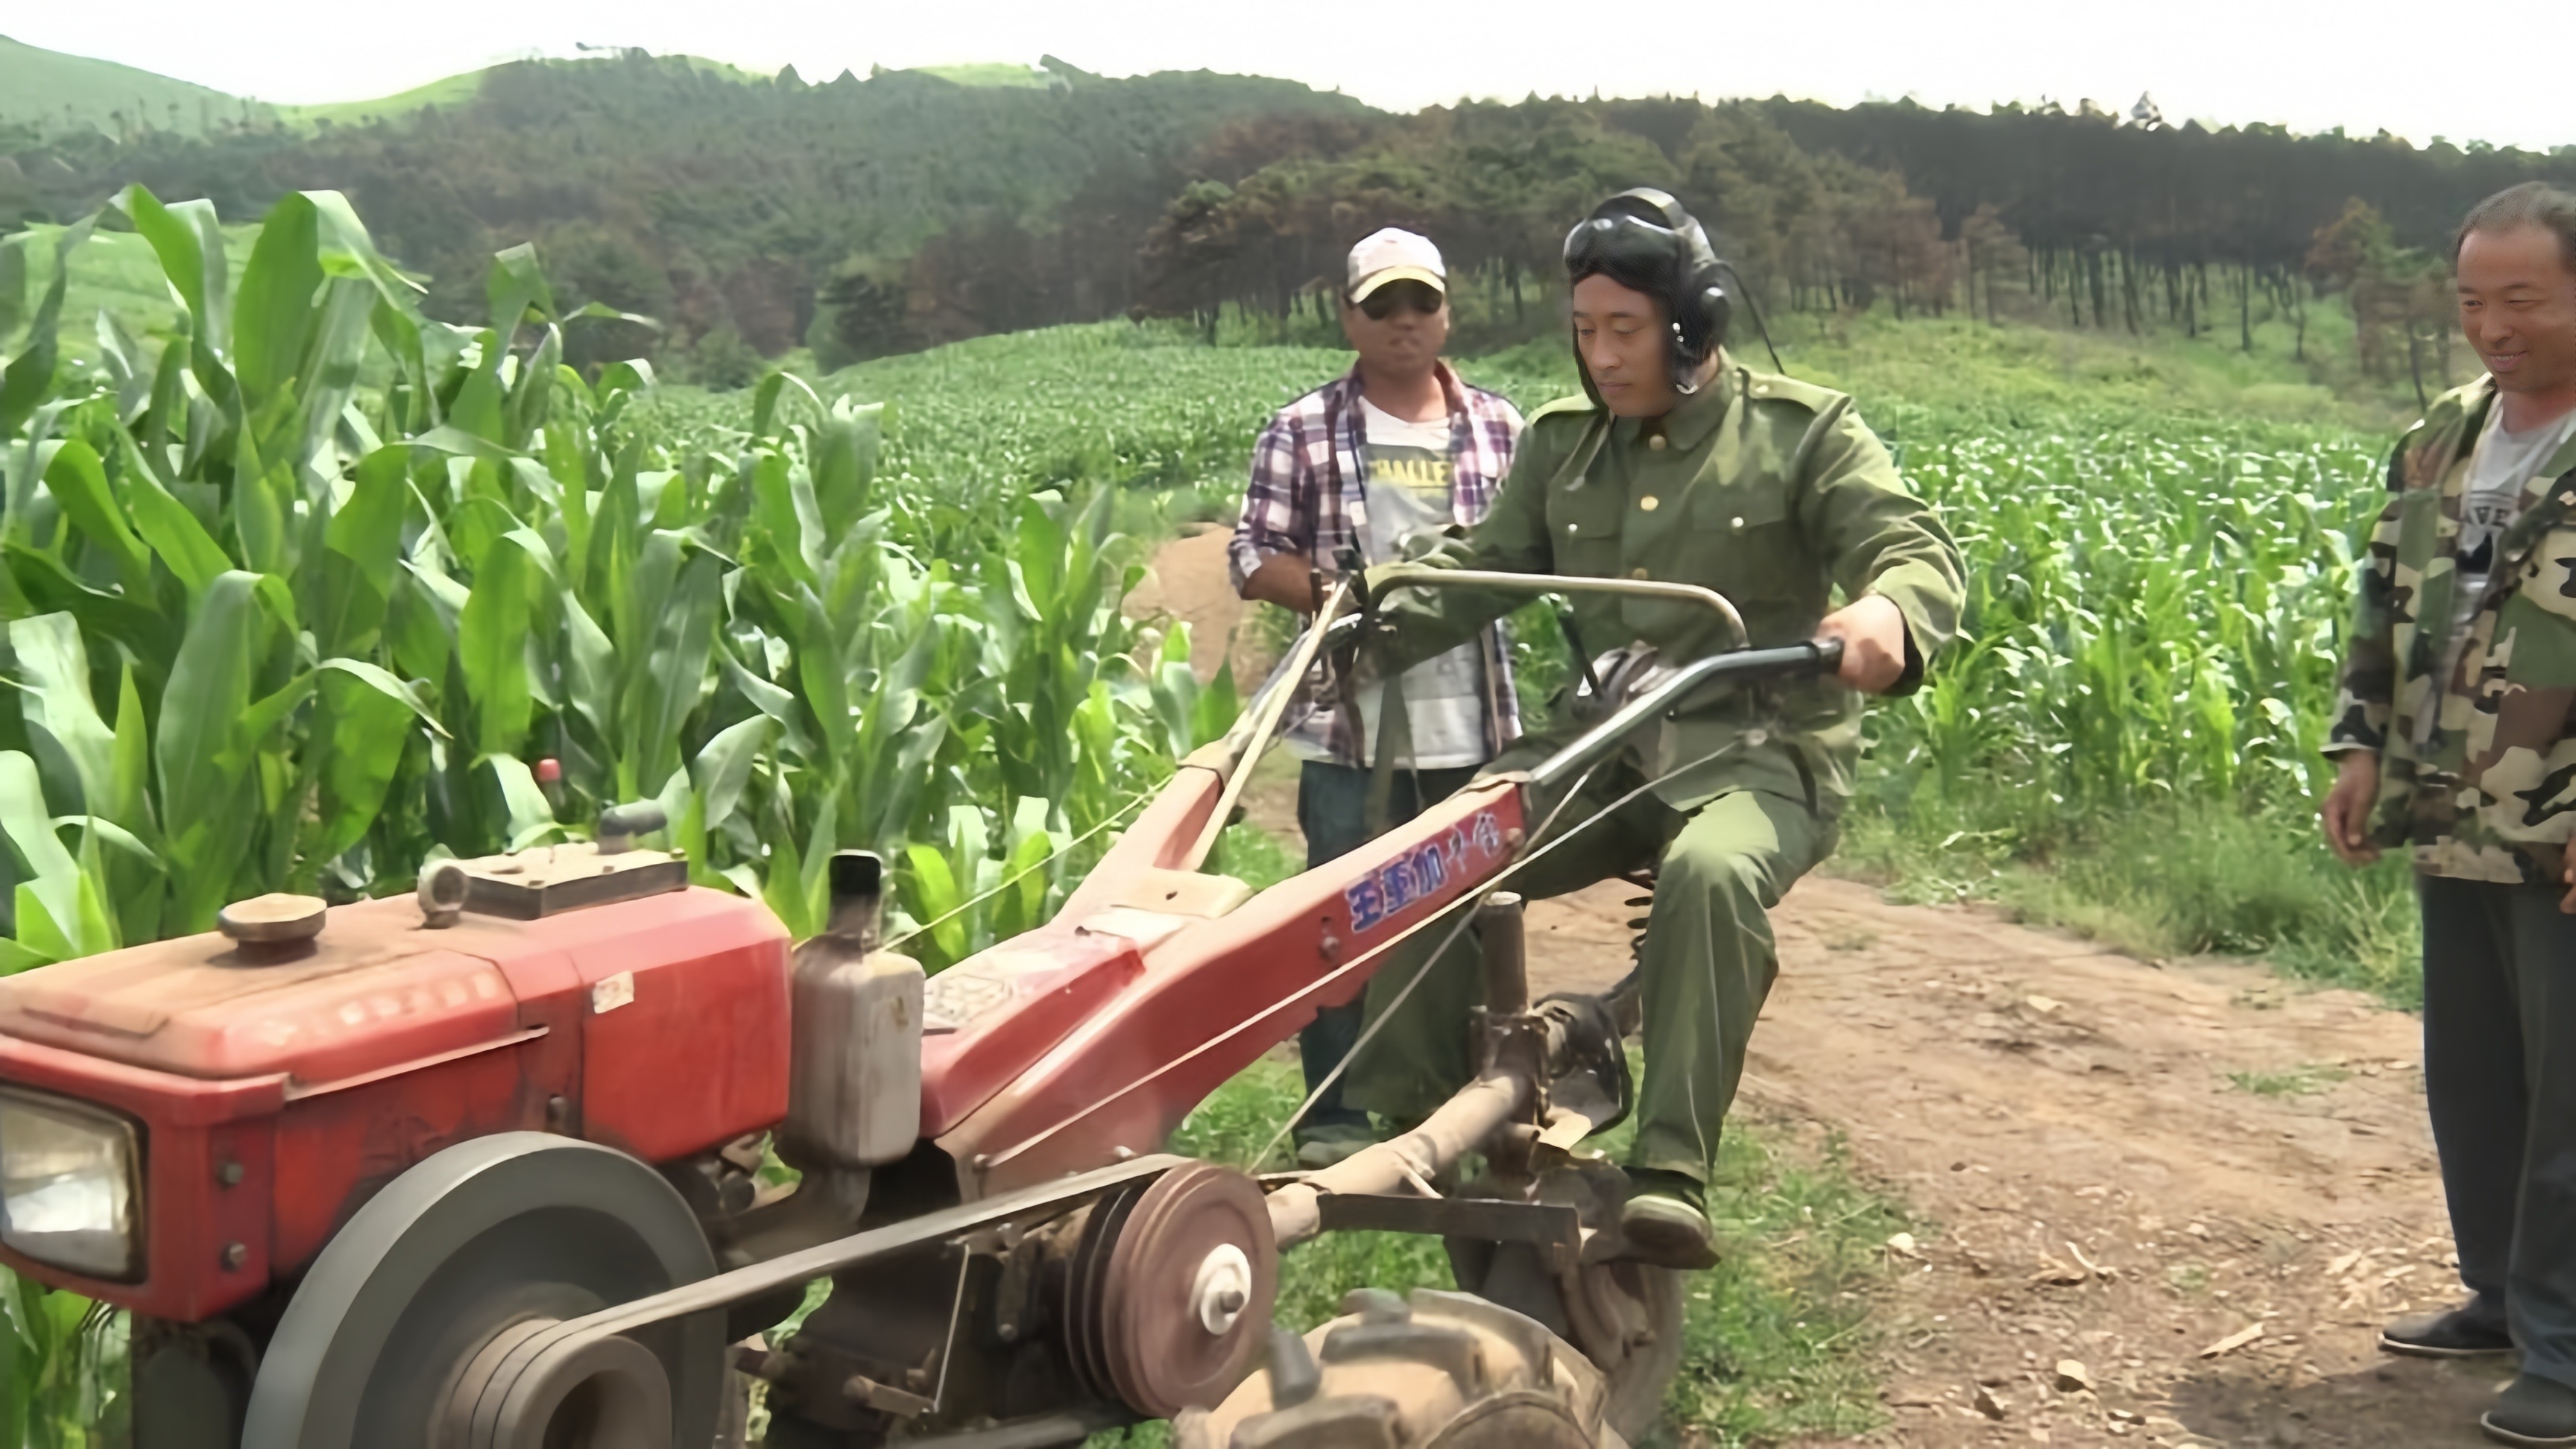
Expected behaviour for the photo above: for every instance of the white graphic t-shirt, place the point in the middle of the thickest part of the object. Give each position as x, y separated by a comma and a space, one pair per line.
1407, 491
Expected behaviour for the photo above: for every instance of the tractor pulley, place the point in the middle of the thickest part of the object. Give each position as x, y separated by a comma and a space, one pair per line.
1170, 1291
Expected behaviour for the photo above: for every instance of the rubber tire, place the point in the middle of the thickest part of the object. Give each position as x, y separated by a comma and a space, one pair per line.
478, 1235
1437, 1371
1639, 1376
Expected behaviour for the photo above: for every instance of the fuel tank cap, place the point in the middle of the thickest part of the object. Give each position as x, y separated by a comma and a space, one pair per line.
273, 919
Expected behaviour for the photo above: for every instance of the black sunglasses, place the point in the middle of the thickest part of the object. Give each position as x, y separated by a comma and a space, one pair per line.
1405, 296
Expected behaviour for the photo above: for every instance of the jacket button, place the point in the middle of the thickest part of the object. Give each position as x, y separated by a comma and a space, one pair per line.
1571, 528
1761, 389
1757, 738
1736, 523
1656, 442
1637, 573
1647, 503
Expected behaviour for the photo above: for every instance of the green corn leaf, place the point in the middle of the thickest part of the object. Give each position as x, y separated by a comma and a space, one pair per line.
843, 459
684, 654
1215, 709
116, 837
778, 704
47, 588
419, 625
129, 758
531, 819
515, 285
30, 375
202, 756
934, 893
52, 886
590, 668
491, 646
61, 714
15, 958
360, 545
723, 768
533, 395
782, 890
39, 933
177, 538
79, 483
274, 315
188, 239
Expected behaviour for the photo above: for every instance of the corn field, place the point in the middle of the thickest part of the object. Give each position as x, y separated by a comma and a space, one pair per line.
2153, 616
318, 589
302, 588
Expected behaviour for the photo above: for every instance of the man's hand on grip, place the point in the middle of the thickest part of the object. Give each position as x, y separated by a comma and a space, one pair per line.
1872, 629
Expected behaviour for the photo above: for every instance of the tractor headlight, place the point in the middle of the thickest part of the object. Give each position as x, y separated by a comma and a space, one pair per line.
68, 1189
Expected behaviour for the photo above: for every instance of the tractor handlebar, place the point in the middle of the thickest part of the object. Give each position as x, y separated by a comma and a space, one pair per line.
1816, 656
1409, 576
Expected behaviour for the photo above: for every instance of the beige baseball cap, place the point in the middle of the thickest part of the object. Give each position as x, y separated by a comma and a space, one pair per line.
1395, 255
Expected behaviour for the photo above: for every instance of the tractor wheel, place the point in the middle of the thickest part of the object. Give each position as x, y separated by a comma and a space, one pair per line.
1625, 1316
464, 1255
1438, 1371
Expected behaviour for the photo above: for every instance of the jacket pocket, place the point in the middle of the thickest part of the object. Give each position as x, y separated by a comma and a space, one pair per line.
1743, 541
1584, 527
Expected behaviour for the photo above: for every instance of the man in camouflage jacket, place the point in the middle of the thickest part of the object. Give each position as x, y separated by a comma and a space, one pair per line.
2456, 738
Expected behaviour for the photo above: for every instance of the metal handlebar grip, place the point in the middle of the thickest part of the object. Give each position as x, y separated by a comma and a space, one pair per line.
1816, 656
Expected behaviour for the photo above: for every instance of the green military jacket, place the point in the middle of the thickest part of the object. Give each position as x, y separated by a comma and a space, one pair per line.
2485, 788
1764, 488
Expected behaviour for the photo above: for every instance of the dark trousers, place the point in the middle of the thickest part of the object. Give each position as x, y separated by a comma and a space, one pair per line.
1332, 809
2500, 1077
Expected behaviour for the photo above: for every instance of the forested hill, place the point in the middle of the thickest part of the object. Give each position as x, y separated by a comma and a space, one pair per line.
706, 199
45, 91
876, 215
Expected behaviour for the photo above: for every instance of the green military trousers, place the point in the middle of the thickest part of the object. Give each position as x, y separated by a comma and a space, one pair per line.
1708, 959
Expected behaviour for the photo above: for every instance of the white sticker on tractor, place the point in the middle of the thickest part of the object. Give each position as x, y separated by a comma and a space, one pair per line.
616, 991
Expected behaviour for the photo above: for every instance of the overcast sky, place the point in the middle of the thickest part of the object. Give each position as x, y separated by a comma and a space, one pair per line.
2366, 66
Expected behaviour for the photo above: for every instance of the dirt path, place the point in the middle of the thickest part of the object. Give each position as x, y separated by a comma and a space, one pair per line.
1187, 581
2114, 1163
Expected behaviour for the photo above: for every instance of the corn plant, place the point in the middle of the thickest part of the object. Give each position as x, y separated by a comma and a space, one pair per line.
2151, 618
303, 590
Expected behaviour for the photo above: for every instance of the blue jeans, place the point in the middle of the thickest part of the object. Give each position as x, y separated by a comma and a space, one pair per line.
1332, 809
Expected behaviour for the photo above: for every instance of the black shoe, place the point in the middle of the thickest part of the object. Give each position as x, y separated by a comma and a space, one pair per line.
1666, 1222
2455, 1334
2532, 1412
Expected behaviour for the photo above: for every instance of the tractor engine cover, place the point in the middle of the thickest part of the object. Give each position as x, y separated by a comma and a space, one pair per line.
244, 1093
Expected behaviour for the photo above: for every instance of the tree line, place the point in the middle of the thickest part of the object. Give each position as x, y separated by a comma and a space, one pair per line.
866, 216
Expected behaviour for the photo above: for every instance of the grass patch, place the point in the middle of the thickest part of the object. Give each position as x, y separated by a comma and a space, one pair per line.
2300, 1081
2170, 881
1775, 1334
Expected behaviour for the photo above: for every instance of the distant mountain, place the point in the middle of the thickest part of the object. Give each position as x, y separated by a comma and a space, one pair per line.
906, 208
54, 93
461, 89
861, 216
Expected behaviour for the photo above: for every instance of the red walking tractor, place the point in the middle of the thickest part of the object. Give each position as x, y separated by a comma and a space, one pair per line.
480, 1167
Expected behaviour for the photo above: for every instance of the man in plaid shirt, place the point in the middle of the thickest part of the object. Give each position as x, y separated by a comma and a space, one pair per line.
1377, 464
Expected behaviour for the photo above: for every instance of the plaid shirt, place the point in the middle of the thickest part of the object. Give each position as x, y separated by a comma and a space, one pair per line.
1306, 499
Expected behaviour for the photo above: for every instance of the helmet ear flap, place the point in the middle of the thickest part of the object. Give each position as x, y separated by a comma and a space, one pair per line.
1700, 328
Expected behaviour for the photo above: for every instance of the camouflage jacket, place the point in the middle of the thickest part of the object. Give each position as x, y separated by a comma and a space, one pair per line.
1769, 490
2486, 788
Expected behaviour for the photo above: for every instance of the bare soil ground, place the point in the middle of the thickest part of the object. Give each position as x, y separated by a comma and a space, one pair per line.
1187, 581
2204, 1186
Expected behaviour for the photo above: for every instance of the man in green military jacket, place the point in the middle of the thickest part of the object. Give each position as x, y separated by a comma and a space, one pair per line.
1682, 465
